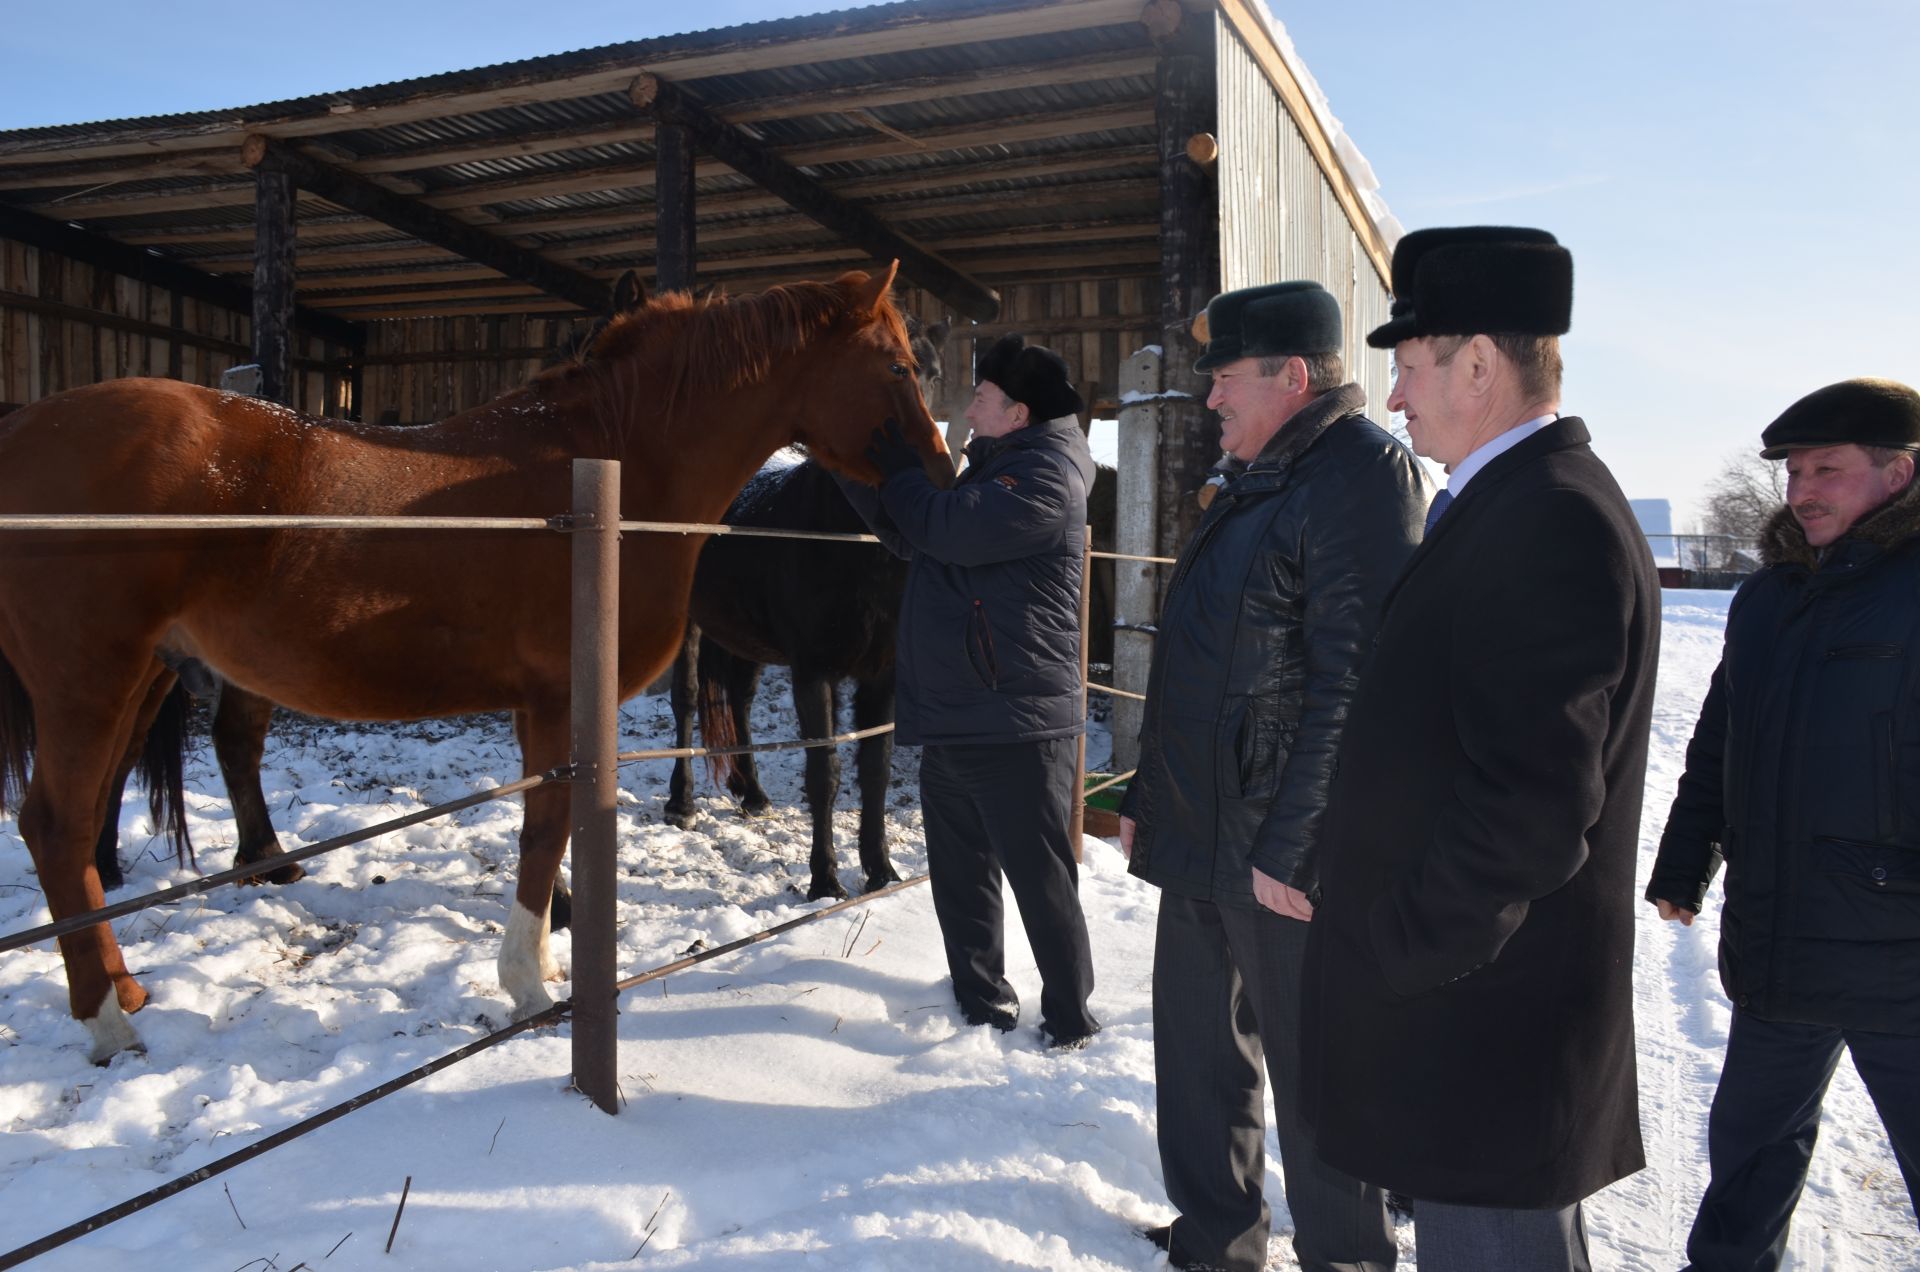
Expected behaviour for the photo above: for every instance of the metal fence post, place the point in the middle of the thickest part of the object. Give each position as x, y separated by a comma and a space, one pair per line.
596, 705
1077, 825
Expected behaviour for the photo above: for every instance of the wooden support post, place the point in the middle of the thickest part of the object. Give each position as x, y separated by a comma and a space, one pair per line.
673, 231
273, 230
1184, 104
596, 706
1077, 824
669, 104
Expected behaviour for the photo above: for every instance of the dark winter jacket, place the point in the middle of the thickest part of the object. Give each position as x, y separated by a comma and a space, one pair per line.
1467, 1030
989, 640
1804, 775
1266, 620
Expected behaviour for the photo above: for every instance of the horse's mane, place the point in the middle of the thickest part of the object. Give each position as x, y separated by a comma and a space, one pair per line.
682, 348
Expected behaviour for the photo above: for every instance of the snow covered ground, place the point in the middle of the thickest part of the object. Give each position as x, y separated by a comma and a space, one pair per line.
811, 1102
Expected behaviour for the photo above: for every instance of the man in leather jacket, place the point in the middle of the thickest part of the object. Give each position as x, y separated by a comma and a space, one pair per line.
1266, 621
1803, 776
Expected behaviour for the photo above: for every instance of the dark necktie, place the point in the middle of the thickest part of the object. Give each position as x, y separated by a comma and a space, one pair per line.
1437, 508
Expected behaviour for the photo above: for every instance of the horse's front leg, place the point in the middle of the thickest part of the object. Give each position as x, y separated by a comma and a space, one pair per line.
240, 724
873, 705
683, 695
813, 703
525, 961
106, 850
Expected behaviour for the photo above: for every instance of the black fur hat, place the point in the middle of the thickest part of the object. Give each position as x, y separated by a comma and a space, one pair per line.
1268, 322
1475, 279
1866, 412
1032, 375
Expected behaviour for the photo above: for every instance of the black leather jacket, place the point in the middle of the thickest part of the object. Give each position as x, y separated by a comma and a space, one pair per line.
1269, 614
1804, 777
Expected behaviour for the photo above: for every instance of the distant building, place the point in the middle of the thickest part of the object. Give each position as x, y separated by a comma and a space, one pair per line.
1656, 522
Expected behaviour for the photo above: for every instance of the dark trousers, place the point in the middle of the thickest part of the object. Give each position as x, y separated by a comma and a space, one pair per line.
1765, 1118
1488, 1239
1226, 994
1004, 807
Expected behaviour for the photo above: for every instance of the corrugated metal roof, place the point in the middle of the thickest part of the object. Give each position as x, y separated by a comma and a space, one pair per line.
959, 120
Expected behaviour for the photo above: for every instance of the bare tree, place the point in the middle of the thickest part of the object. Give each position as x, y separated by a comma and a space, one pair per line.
1740, 501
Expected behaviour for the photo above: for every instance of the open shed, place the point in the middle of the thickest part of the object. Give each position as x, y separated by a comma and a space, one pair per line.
1085, 172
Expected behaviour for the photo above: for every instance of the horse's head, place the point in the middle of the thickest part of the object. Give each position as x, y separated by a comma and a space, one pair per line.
866, 376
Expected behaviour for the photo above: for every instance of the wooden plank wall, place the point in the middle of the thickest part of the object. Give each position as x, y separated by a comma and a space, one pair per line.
54, 345
1095, 325
1280, 218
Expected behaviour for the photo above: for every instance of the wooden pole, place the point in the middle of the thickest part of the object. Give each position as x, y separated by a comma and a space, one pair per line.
1077, 824
1184, 104
273, 230
596, 705
673, 231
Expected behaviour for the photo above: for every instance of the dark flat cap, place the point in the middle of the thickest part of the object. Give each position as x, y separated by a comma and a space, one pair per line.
1271, 321
1478, 279
1032, 375
1866, 412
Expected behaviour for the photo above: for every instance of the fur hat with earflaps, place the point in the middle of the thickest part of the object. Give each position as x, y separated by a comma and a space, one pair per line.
1032, 375
1478, 280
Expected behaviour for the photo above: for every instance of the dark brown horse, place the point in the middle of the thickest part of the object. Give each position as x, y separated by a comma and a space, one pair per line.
380, 625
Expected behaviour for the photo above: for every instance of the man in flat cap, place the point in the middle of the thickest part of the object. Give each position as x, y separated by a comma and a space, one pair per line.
1468, 1030
988, 672
1266, 620
1804, 778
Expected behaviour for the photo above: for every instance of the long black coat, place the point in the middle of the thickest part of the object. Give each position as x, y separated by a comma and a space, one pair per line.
989, 639
1468, 1027
1805, 772
1270, 611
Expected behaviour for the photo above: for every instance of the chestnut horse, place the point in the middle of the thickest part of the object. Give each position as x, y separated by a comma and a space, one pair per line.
691, 397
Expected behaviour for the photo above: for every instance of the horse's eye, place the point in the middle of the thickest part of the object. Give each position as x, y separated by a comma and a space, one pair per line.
900, 369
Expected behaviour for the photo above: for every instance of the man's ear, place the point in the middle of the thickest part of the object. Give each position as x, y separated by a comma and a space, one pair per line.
1902, 476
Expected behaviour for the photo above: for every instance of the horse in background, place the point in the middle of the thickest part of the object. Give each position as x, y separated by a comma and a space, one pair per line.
691, 397
827, 611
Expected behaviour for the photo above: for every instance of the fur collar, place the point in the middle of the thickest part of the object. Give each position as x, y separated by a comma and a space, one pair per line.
1308, 423
1783, 542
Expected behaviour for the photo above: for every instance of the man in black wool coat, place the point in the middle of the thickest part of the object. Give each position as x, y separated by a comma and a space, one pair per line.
1803, 776
1468, 1026
1266, 621
988, 668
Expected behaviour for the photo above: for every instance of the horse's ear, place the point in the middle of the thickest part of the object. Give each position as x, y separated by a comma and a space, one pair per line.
937, 334
870, 292
629, 293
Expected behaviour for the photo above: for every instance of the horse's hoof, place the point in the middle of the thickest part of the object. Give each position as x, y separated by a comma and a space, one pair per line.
291, 872
680, 817
111, 1031
827, 887
759, 807
884, 879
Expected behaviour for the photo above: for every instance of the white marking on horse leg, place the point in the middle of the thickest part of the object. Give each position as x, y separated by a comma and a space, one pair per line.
112, 1032
525, 961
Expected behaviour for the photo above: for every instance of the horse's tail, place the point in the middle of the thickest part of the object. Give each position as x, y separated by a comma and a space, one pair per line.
716, 715
162, 771
16, 737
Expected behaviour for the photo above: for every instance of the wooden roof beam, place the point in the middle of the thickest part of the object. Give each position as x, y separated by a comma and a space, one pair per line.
427, 224
852, 222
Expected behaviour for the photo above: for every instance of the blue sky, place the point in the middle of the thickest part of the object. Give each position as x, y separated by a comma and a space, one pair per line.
1735, 180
